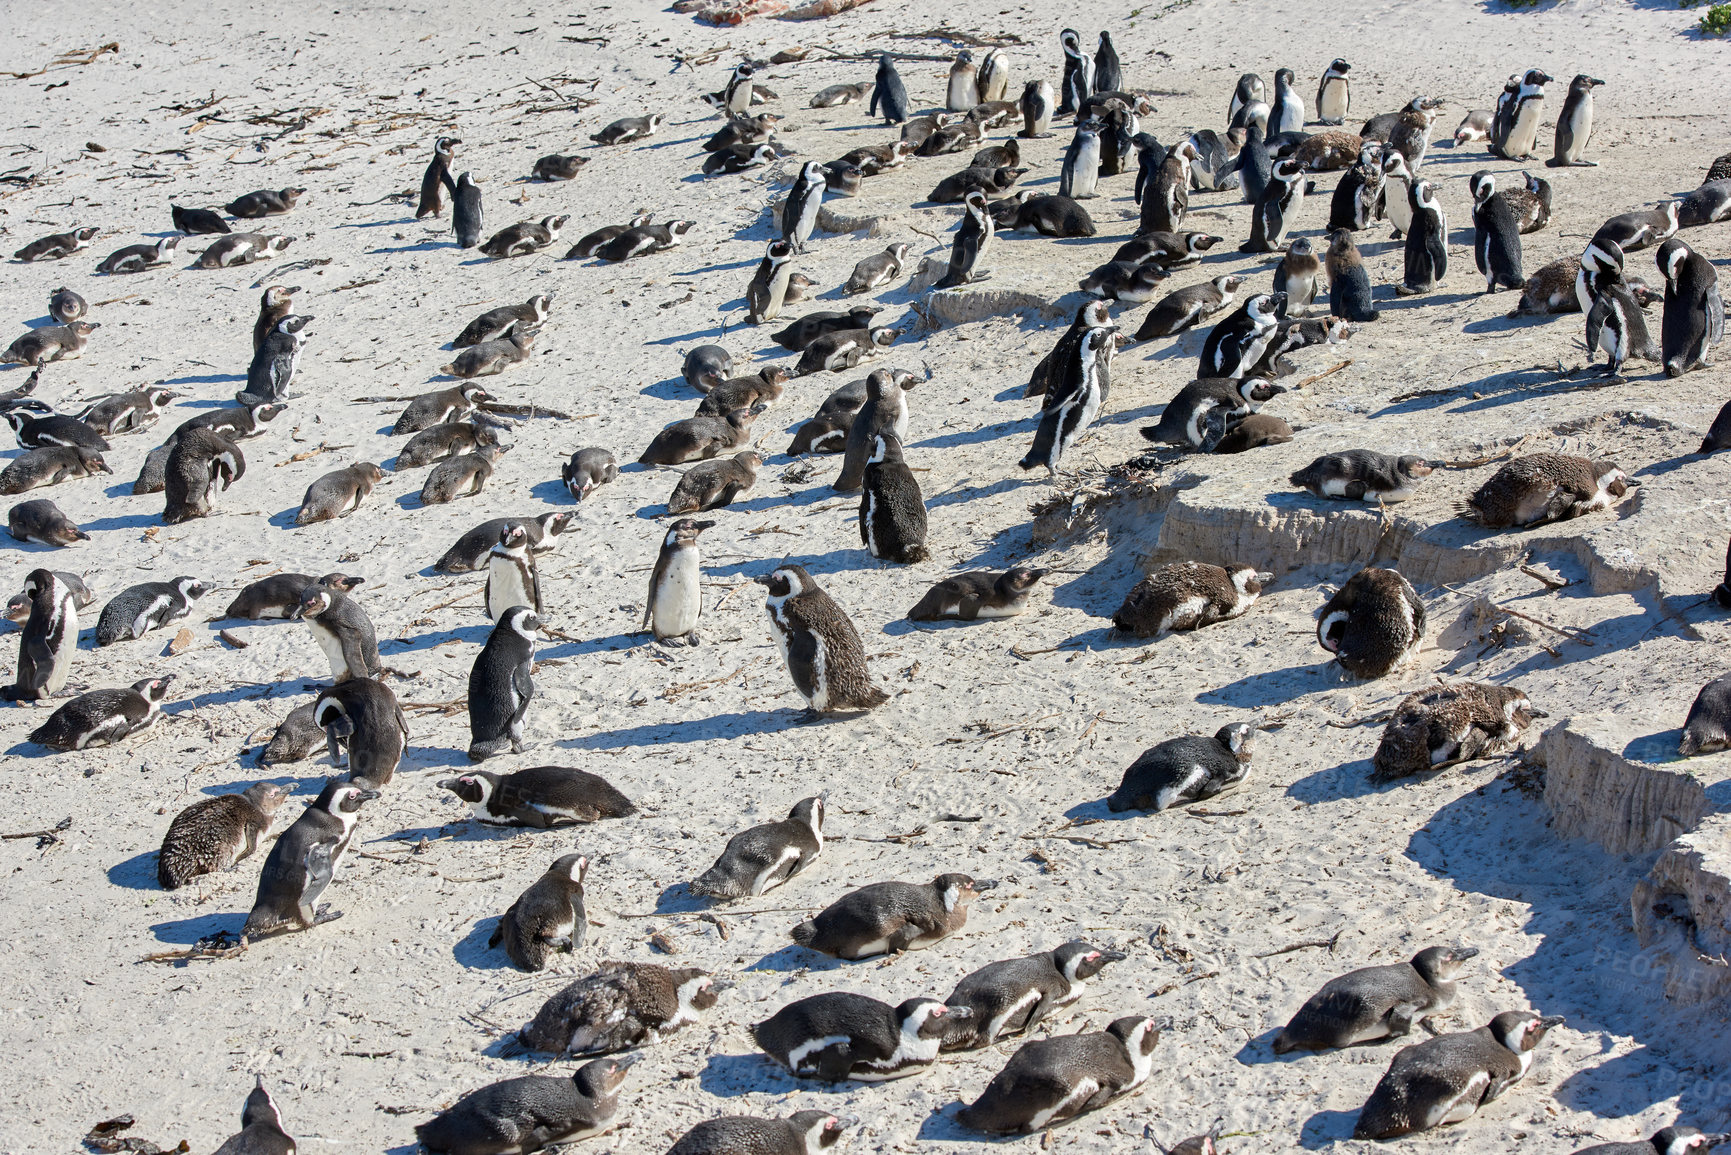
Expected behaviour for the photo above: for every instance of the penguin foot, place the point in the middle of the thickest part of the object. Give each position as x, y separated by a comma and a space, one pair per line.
326, 914
1407, 291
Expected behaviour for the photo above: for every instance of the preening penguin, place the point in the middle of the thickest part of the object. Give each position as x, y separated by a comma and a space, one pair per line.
541, 796
529, 1113
620, 1006
840, 1035
1188, 595
363, 716
802, 1133
547, 918
437, 178
1050, 1080
891, 917
1184, 770
1374, 1003
304, 860
818, 643
675, 599
1545, 487
215, 833
763, 857
1436, 728
1446, 1079
201, 463
1074, 88
1373, 624
1694, 319
500, 687
1010, 997
103, 717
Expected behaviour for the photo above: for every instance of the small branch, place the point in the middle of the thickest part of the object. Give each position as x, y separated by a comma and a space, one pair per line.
1172, 986
1315, 377
1572, 634
1306, 945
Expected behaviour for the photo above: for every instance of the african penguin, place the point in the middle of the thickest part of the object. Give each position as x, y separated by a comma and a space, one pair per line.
1371, 1003
1010, 997
763, 857
1694, 318
818, 643
978, 595
512, 577
1461, 722
103, 717
1545, 487
1373, 624
675, 599
363, 716
1050, 1080
802, 1133
215, 833
1363, 475
621, 1005
1188, 595
840, 1035
529, 1112
891, 917
500, 687
48, 640
1184, 770
892, 512
548, 917
342, 630
1446, 1079
303, 862
541, 796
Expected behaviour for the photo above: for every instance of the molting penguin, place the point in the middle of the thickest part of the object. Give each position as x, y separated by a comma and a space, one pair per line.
1010, 997
548, 917
840, 1035
1081, 168
557, 167
1253, 432
529, 1113
338, 493
1050, 1080
103, 717
620, 1006
65, 306
1707, 729
1188, 595
215, 833
461, 476
1299, 276
500, 687
818, 643
802, 1133
264, 203
1446, 1079
512, 577
1447, 725
978, 595
1164, 205
706, 366
1545, 487
1575, 124
363, 715
892, 512
135, 611
1363, 475
304, 860
1372, 1003
541, 796
1184, 770
891, 917
47, 641
342, 630
675, 600
1694, 319
699, 438
1373, 624
1037, 100
763, 857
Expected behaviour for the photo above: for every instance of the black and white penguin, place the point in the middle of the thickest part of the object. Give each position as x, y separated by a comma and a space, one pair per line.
1446, 1079
1545, 487
1188, 595
877, 270
126, 412
1373, 624
464, 475
1371, 1003
1050, 1080
1643, 228
1250, 89
1665, 1141
275, 361
138, 258
1334, 94
801, 333
818, 643
442, 406
621, 1005
487, 358
1179, 771
892, 512
1277, 211
65, 306
1363, 475
758, 129
264, 203
57, 245
993, 77
338, 493
763, 857
548, 917
716, 483
1037, 109
1706, 205
1010, 997
1286, 114
1694, 318
767, 291
437, 177
1164, 205
630, 128
883, 410
304, 860
40, 430
541, 796
1079, 388
1575, 125
1427, 242
972, 242
1190, 306
1237, 343
1515, 132
675, 599
466, 212
342, 630
888, 92
1496, 237
1617, 324
802, 1133
500, 687
103, 717
1205, 412
47, 641
1108, 75
737, 95
1074, 88
804, 200
1299, 277
447, 439
294, 740
840, 1035
530, 1112
41, 521
491, 326
193, 222
1348, 283
242, 249
524, 237
891, 917
279, 595
1436, 728
135, 611
363, 716
215, 833
50, 466
512, 578
261, 1130
545, 531
1124, 282
978, 595
699, 438
1169, 250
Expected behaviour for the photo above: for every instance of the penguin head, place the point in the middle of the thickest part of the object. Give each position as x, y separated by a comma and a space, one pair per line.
1340, 68
685, 531
788, 581
1536, 78
929, 1019
1440, 964
1517, 708
964, 58
153, 689
86, 233
1248, 579
294, 323
446, 146
554, 524
1021, 578
341, 582
157, 398
1238, 737
1482, 186
277, 244
883, 336
522, 621
1079, 960
1413, 467
513, 540
1284, 76
1522, 1031
1138, 1034
819, 1129
570, 868
475, 787
778, 253
267, 796
810, 812
1611, 478
600, 1079
39, 581
958, 890
342, 798
264, 414
315, 601
191, 589
1683, 1140
92, 461
1071, 40
1670, 257
260, 1109
1394, 166
696, 990
18, 609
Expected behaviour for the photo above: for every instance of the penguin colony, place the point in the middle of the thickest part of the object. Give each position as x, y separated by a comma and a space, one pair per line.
1372, 628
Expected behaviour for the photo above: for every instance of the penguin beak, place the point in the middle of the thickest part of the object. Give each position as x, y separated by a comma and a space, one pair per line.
1113, 956
703, 525
985, 884
762, 579
1461, 953
1532, 713
368, 795
1549, 1021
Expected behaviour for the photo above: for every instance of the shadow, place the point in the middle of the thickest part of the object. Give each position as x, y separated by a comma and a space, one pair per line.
730, 1076
473, 952
969, 493
1326, 1128
1275, 686
1094, 810
690, 730
608, 644
474, 635
136, 873
187, 931
794, 958
127, 521
672, 389
1660, 468
678, 899
552, 492
1259, 1050
207, 379
422, 247
1023, 427
1336, 783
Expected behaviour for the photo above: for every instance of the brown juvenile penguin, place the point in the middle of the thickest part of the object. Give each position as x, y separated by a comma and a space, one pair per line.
1188, 595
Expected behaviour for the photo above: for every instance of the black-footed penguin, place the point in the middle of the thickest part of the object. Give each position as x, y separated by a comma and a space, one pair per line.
274, 304
888, 92
1286, 114
135, 611
126, 412
1545, 487
279, 595
294, 740
57, 245
762, 387
963, 91
1050, 1080
275, 361
1187, 307
36, 430
1496, 237
1254, 166
264, 203
466, 216
1074, 88
877, 270
763, 857
972, 242
193, 222
1705, 730
1188, 595
977, 595
1575, 125
1124, 282
215, 833
445, 440
556, 167
1277, 211
1250, 89
1235, 345
716, 483
338, 493
1254, 431
261, 1130
437, 177
1617, 324
1706, 205
991, 181
818, 644
40, 520
548, 917
47, 641
1010, 997
1373, 624
675, 599
892, 512
50, 343
1077, 391
891, 917
1207, 410
1164, 205
1665, 1141
1440, 727
1037, 98
103, 717
65, 306
884, 409
699, 438
486, 358
1081, 167
540, 797
630, 128
1348, 283
304, 860
464, 475
1179, 771
440, 407
363, 716
741, 129
1373, 1003
138, 258
500, 687
797, 336
1047, 377
529, 1113
1108, 75
512, 578
50, 466
1334, 94
524, 237
497, 323
767, 291
242, 249
840, 1035
1694, 318
706, 366
1363, 475
1358, 194
1427, 248
802, 1133
1515, 130
1446, 1079
621, 1005
343, 631
803, 202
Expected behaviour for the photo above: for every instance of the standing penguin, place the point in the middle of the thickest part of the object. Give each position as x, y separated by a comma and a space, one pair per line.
274, 362
766, 856
363, 715
1081, 171
500, 686
889, 93
1374, 624
1617, 324
1236, 344
1694, 318
768, 289
1277, 211
276, 303
512, 577
799, 211
342, 630
530, 1112
1575, 125
1496, 237
963, 92
1427, 241
437, 177
304, 860
1287, 113
675, 598
884, 410
1073, 90
201, 463
1036, 109
1108, 76
261, 1130
1085, 382
547, 917
1348, 283
466, 217
1298, 277
892, 512
1395, 203
1164, 207
973, 241
1334, 94
736, 96
1518, 120
1446, 1079
47, 641
1050, 1080
819, 644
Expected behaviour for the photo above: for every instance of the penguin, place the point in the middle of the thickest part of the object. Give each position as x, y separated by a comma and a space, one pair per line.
295, 739
1334, 94
50, 343
1395, 203
1375, 1003
261, 1130
1254, 431
133, 612
888, 93
641, 240
891, 917
1617, 324
1036, 110
50, 466
845, 349
1427, 250
541, 797
699, 438
1600, 267
840, 1035
1078, 391
590, 243
264, 203
103, 717
1252, 168
338, 493
621, 1005
48, 639
138, 258
736, 97
466, 216
1081, 168
1694, 318
1164, 206
1049, 215
42, 431
706, 366
763, 857
193, 222
1050, 1080
57, 245
547, 917
1348, 283
675, 600
892, 512
1190, 306
1277, 211
1168, 250
1207, 410
810, 327
524, 237
1357, 196
1515, 132
878, 270
363, 715
1041, 382
461, 476
1188, 595
1238, 342
1704, 730
1287, 112
474, 548
1446, 1079
1290, 335
802, 1133
40, 520
1496, 237
1250, 89
342, 630
767, 291
827, 431
754, 390
1123, 282
235, 422
1545, 487
275, 361
963, 92
446, 440
65, 306
201, 463
1179, 771
839, 94
215, 833
512, 577
303, 862
497, 323
1530, 203
491, 357
875, 159
978, 595
529, 1113
1440, 727
992, 79
278, 596
1665, 1141
804, 201
818, 643
1074, 88
1363, 475
1298, 277
242, 249
953, 188
587, 469
440, 407
437, 177
1373, 624
1012, 996
630, 128
1575, 125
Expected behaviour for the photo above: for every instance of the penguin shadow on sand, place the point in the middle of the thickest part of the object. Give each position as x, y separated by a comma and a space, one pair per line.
1514, 386
472, 951
473, 635
730, 1076
426, 246
204, 379
1017, 427
122, 521
1623, 1085
1338, 783
672, 388
793, 958
1327, 1128
1254, 691
941, 1127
